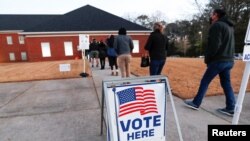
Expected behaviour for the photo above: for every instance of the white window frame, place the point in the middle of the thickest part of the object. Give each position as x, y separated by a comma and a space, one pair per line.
24, 56
12, 56
21, 39
68, 48
46, 51
136, 46
9, 40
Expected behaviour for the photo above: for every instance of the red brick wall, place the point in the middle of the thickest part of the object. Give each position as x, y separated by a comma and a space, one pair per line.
56, 48
33, 49
15, 48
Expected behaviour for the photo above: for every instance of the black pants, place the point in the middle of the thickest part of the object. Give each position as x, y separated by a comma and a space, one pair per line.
113, 62
102, 62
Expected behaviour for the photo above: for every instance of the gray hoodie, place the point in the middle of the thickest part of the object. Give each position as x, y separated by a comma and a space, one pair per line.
123, 44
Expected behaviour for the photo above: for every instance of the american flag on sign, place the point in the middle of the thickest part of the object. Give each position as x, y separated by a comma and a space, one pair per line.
136, 99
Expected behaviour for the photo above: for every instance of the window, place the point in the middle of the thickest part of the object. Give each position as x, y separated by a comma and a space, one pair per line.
12, 56
9, 40
136, 46
68, 48
46, 50
21, 39
23, 56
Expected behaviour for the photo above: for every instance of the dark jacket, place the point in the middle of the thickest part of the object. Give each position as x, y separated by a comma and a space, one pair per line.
157, 45
102, 50
93, 46
220, 41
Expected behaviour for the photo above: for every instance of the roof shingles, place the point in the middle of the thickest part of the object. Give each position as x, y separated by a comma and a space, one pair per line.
86, 18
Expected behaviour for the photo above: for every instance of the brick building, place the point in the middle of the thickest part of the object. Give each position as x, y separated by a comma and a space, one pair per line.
56, 37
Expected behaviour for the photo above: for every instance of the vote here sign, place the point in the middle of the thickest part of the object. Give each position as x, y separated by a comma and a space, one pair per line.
137, 112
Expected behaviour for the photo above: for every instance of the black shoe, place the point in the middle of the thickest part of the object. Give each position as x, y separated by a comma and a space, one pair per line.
191, 105
226, 111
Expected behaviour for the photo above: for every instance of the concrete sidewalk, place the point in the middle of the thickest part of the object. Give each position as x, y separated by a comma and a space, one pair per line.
69, 110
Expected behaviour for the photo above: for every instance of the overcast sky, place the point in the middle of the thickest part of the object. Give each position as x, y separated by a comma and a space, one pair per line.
171, 9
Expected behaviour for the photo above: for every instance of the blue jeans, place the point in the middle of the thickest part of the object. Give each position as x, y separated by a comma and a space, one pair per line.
223, 69
156, 66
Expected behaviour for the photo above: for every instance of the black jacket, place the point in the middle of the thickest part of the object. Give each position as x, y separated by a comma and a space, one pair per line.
102, 50
157, 45
221, 42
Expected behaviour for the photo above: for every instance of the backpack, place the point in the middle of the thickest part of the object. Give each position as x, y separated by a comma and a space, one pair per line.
111, 52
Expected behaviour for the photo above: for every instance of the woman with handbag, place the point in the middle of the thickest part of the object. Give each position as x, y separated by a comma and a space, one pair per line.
112, 55
156, 47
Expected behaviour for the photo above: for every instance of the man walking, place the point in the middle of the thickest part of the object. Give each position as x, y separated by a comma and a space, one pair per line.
219, 57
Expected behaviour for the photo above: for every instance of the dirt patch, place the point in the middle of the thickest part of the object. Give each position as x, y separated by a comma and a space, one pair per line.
15, 72
184, 76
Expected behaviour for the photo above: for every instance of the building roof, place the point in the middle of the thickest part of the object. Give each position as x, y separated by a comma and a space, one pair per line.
86, 18
22, 22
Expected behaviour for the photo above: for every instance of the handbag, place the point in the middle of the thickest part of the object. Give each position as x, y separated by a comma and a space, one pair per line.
111, 52
145, 61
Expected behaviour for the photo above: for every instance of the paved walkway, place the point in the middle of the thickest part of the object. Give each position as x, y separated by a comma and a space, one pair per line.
69, 110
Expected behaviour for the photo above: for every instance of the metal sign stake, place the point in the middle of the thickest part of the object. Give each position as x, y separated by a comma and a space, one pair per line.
241, 95
243, 87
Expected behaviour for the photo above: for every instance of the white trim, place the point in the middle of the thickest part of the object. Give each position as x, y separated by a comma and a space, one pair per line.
10, 31
65, 35
76, 33
80, 32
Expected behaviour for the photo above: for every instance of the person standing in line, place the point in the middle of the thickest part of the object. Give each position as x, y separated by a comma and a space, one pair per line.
102, 54
156, 47
123, 45
112, 56
219, 57
94, 53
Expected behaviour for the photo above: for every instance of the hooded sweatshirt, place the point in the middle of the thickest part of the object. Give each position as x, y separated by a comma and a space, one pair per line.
221, 42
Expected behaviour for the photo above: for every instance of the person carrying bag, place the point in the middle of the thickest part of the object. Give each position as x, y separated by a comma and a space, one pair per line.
145, 61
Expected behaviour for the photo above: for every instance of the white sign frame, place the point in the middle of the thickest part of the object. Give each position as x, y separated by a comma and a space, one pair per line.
244, 81
246, 53
247, 37
111, 105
